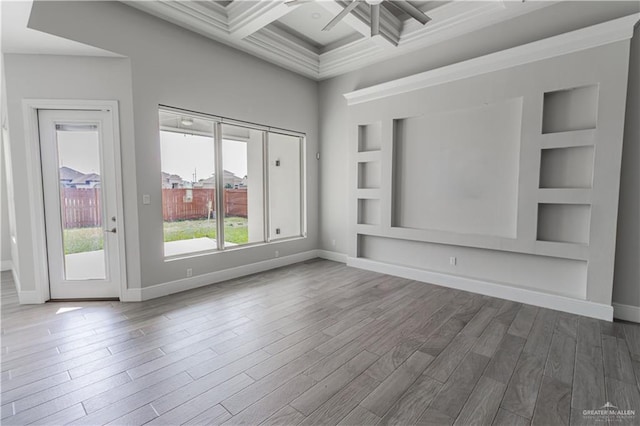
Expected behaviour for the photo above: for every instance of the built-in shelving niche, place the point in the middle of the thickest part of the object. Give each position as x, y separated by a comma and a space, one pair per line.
370, 137
368, 211
369, 175
458, 178
570, 109
570, 167
564, 223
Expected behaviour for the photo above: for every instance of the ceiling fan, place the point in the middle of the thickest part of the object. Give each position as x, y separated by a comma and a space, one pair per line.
374, 5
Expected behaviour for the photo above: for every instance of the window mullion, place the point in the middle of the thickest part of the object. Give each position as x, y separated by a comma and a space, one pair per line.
265, 181
219, 184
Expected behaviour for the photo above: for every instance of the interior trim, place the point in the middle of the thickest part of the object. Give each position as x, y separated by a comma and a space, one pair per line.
574, 41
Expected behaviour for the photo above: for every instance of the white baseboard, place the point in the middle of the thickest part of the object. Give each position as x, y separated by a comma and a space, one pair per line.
626, 312
531, 297
26, 297
6, 265
177, 286
29, 297
131, 295
332, 255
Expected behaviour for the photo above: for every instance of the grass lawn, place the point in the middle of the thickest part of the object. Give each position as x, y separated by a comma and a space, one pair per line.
79, 240
235, 230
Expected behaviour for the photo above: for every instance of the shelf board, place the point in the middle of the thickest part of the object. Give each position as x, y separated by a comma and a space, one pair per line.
568, 139
564, 195
368, 193
368, 156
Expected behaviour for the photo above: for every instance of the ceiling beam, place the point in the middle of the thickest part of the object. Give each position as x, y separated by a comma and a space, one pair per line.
360, 19
248, 17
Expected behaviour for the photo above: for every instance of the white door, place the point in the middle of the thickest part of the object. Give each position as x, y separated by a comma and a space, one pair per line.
79, 175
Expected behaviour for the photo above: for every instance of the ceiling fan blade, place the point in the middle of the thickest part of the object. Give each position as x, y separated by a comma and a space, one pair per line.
375, 19
412, 11
341, 15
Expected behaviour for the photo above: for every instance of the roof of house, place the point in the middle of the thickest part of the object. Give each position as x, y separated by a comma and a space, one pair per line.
89, 177
67, 173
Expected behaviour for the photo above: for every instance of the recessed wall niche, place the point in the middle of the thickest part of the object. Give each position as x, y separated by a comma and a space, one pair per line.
565, 223
369, 175
570, 109
458, 178
368, 212
566, 167
369, 137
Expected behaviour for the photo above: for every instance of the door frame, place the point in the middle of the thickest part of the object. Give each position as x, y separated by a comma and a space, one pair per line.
30, 109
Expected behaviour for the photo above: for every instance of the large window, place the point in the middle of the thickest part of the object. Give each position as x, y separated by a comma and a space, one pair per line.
259, 174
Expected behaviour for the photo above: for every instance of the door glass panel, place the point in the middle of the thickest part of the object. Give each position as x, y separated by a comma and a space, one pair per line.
243, 185
81, 201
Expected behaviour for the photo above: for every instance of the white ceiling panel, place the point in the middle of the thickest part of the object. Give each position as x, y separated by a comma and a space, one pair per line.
308, 20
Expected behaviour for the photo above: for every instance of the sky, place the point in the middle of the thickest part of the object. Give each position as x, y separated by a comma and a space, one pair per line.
183, 154
79, 151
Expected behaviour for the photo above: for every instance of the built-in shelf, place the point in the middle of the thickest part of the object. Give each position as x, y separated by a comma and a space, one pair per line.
570, 109
564, 196
368, 211
369, 175
569, 139
367, 156
575, 251
369, 137
564, 223
367, 193
566, 167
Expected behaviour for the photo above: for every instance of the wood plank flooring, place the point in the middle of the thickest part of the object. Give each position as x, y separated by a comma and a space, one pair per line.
313, 343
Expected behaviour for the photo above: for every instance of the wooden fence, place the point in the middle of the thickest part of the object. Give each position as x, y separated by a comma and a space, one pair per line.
199, 203
81, 207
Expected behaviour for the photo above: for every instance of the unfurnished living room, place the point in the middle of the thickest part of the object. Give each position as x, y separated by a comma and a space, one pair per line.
351, 212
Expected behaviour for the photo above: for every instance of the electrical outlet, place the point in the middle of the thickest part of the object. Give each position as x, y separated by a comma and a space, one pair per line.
453, 261
189, 272
146, 199
277, 231
277, 253
333, 243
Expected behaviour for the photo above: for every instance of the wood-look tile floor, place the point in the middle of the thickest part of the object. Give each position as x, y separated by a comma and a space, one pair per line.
313, 343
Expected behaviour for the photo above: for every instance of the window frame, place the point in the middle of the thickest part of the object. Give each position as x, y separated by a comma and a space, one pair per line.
218, 122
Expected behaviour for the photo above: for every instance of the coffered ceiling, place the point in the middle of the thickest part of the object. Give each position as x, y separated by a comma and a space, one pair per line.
292, 37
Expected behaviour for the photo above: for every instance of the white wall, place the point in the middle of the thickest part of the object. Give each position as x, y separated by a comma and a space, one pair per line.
66, 77
7, 215
5, 237
626, 287
553, 20
284, 186
172, 66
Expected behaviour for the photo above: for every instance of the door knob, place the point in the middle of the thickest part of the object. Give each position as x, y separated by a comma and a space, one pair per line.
112, 230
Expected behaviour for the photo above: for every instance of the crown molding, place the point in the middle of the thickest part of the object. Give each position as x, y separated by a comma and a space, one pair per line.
272, 43
574, 41
245, 26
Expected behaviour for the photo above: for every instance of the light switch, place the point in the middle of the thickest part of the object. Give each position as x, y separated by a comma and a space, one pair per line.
146, 199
